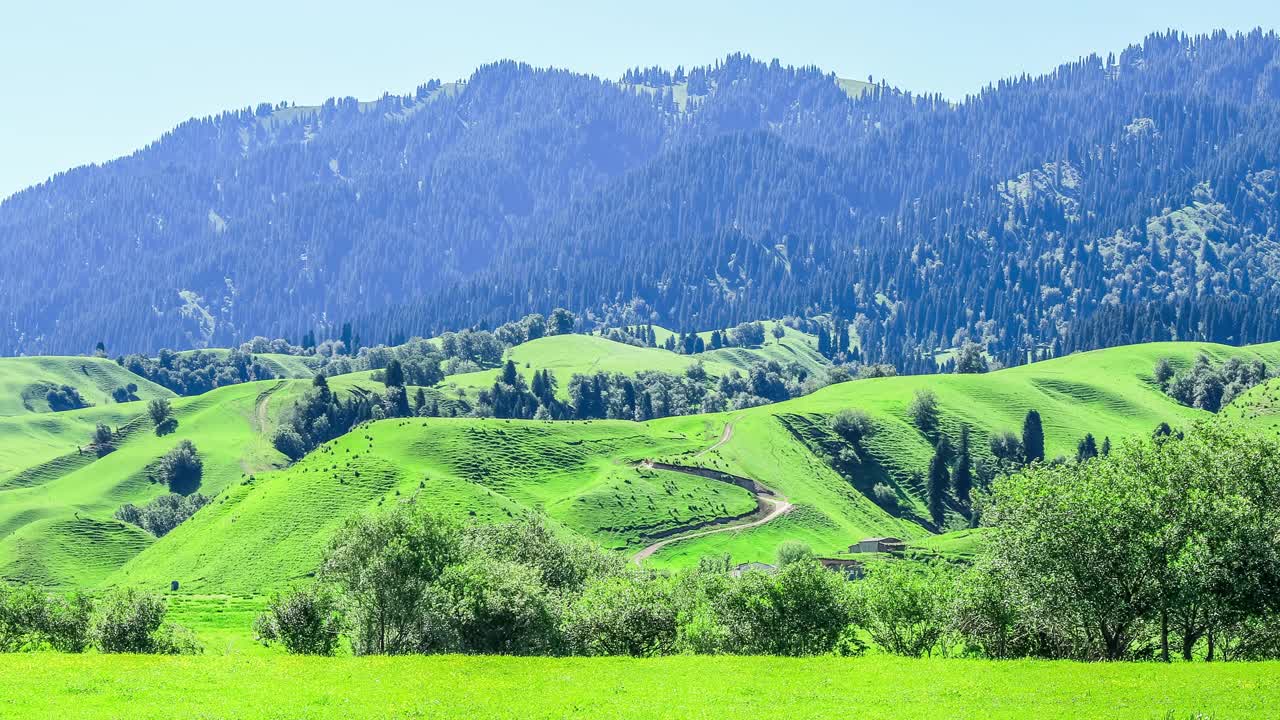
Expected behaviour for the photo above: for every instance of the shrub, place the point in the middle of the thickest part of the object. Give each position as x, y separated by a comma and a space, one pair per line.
128, 621
162, 514
905, 608
289, 442
852, 425
793, 551
885, 497
923, 411
305, 622
498, 607
65, 398
1006, 446
33, 620
181, 468
623, 615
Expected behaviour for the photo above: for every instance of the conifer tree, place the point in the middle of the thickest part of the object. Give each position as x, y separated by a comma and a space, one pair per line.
962, 478
938, 481
1032, 438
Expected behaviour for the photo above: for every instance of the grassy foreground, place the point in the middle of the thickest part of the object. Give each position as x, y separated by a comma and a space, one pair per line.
88, 686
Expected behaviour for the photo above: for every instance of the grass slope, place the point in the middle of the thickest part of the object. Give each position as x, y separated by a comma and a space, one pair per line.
25, 381
567, 355
220, 686
1105, 392
56, 510
270, 531
56, 504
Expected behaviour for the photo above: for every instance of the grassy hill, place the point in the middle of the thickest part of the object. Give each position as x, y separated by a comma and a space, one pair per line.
25, 381
1109, 393
268, 522
57, 497
567, 355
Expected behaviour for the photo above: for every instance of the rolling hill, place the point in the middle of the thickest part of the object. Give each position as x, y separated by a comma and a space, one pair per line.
624, 484
24, 382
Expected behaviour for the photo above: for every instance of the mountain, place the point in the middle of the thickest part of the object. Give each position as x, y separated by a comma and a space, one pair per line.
1119, 199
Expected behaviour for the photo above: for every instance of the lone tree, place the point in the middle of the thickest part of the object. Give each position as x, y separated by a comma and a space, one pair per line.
182, 468
971, 359
924, 411
1032, 438
161, 414
939, 481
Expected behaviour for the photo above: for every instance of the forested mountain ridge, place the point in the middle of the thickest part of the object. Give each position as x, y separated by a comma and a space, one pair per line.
1116, 199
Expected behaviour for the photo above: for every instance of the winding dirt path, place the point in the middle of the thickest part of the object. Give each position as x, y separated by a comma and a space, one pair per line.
777, 507
725, 437
261, 408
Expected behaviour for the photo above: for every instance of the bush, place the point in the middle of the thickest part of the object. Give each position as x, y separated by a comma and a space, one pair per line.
923, 411
33, 620
1006, 447
305, 622
623, 615
905, 607
162, 514
128, 621
852, 425
498, 607
289, 443
181, 468
65, 398
793, 551
885, 497
802, 610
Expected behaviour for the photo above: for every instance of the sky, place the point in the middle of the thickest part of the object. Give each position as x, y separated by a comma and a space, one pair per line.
88, 81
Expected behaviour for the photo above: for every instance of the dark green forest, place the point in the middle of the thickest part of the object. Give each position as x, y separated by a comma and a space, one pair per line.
1117, 199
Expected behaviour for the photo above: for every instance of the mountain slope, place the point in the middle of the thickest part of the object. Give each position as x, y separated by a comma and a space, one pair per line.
1113, 200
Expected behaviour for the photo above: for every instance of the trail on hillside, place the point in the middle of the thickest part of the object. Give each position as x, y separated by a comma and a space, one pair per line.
768, 505
264, 400
725, 437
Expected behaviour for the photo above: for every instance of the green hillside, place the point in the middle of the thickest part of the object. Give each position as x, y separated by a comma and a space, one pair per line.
268, 532
24, 382
567, 355
268, 521
57, 497
1109, 393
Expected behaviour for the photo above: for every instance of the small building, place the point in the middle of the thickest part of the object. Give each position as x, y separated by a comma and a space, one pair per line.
738, 570
850, 569
878, 544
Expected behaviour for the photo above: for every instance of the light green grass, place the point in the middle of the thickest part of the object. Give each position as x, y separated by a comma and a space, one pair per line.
569, 355
24, 382
269, 532
478, 688
56, 506
1109, 393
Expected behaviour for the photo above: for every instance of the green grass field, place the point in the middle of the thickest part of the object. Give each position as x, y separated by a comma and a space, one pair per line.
869, 688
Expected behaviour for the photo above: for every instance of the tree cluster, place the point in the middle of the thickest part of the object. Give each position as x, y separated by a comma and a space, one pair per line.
123, 621
163, 513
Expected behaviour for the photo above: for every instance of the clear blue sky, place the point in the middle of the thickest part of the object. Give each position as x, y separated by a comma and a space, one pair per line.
87, 81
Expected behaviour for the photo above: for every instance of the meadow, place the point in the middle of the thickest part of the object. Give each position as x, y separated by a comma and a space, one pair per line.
230, 686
